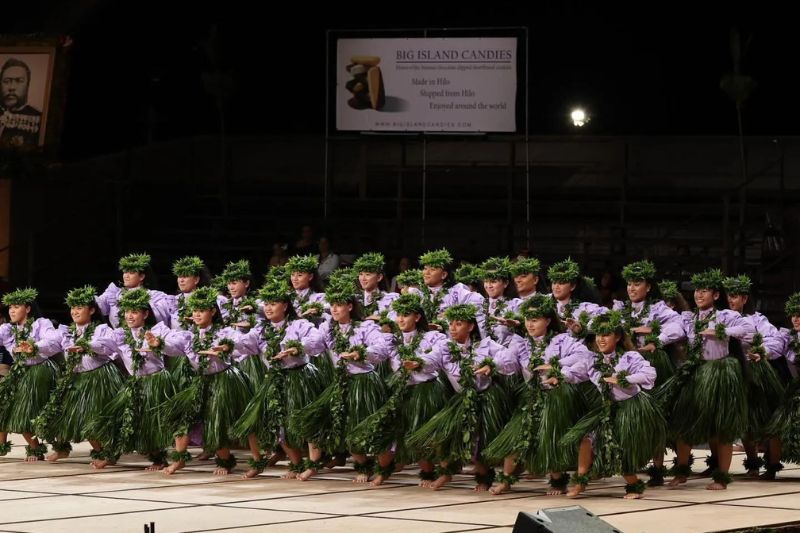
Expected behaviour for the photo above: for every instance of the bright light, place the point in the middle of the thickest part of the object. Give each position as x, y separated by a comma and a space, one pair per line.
579, 117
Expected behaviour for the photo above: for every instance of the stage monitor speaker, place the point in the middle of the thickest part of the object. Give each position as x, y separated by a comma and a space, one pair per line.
573, 519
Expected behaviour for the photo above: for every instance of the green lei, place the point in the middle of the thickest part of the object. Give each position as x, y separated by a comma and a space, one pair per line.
534, 394
199, 382
469, 412
52, 411
134, 399
430, 306
372, 308
276, 382
501, 306
7, 388
184, 312
408, 352
669, 391
632, 322
379, 425
235, 313
341, 343
609, 456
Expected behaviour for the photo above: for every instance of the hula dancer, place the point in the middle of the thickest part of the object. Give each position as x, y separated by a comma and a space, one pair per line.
526, 277
786, 421
89, 382
550, 405
238, 308
498, 307
706, 397
132, 421
24, 392
291, 382
136, 273
621, 435
375, 303
356, 348
438, 297
765, 388
480, 408
240, 312
652, 326
569, 289
417, 393
308, 301
218, 393
191, 273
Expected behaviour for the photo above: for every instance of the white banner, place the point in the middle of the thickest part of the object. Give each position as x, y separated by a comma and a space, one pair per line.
446, 84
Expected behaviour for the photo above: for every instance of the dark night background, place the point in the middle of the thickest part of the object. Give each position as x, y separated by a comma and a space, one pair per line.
642, 71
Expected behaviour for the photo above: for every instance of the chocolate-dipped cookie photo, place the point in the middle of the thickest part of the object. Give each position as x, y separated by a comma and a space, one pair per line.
366, 83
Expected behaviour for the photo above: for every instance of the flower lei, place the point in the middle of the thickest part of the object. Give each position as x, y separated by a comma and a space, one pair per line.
609, 456
7, 390
469, 401
45, 421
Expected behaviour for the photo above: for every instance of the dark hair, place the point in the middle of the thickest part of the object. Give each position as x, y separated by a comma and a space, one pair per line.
150, 278
680, 302
749, 306
14, 62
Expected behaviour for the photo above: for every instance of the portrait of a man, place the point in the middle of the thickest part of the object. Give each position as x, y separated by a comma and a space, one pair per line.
24, 94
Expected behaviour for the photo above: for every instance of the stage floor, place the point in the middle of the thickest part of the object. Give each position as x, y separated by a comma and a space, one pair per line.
70, 496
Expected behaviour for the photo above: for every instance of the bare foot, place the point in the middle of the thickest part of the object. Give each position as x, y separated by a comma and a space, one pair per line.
155, 467
55, 456
250, 474
752, 473
500, 488
715, 486
677, 480
222, 471
555, 492
481, 487
31, 459
361, 478
307, 474
203, 456
378, 481
174, 467
100, 464
289, 475
633, 496
425, 483
575, 491
440, 482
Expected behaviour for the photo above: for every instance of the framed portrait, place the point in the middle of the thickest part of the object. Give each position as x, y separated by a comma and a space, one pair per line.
26, 78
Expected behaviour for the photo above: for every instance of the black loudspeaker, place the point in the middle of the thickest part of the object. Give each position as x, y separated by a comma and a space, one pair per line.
573, 519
